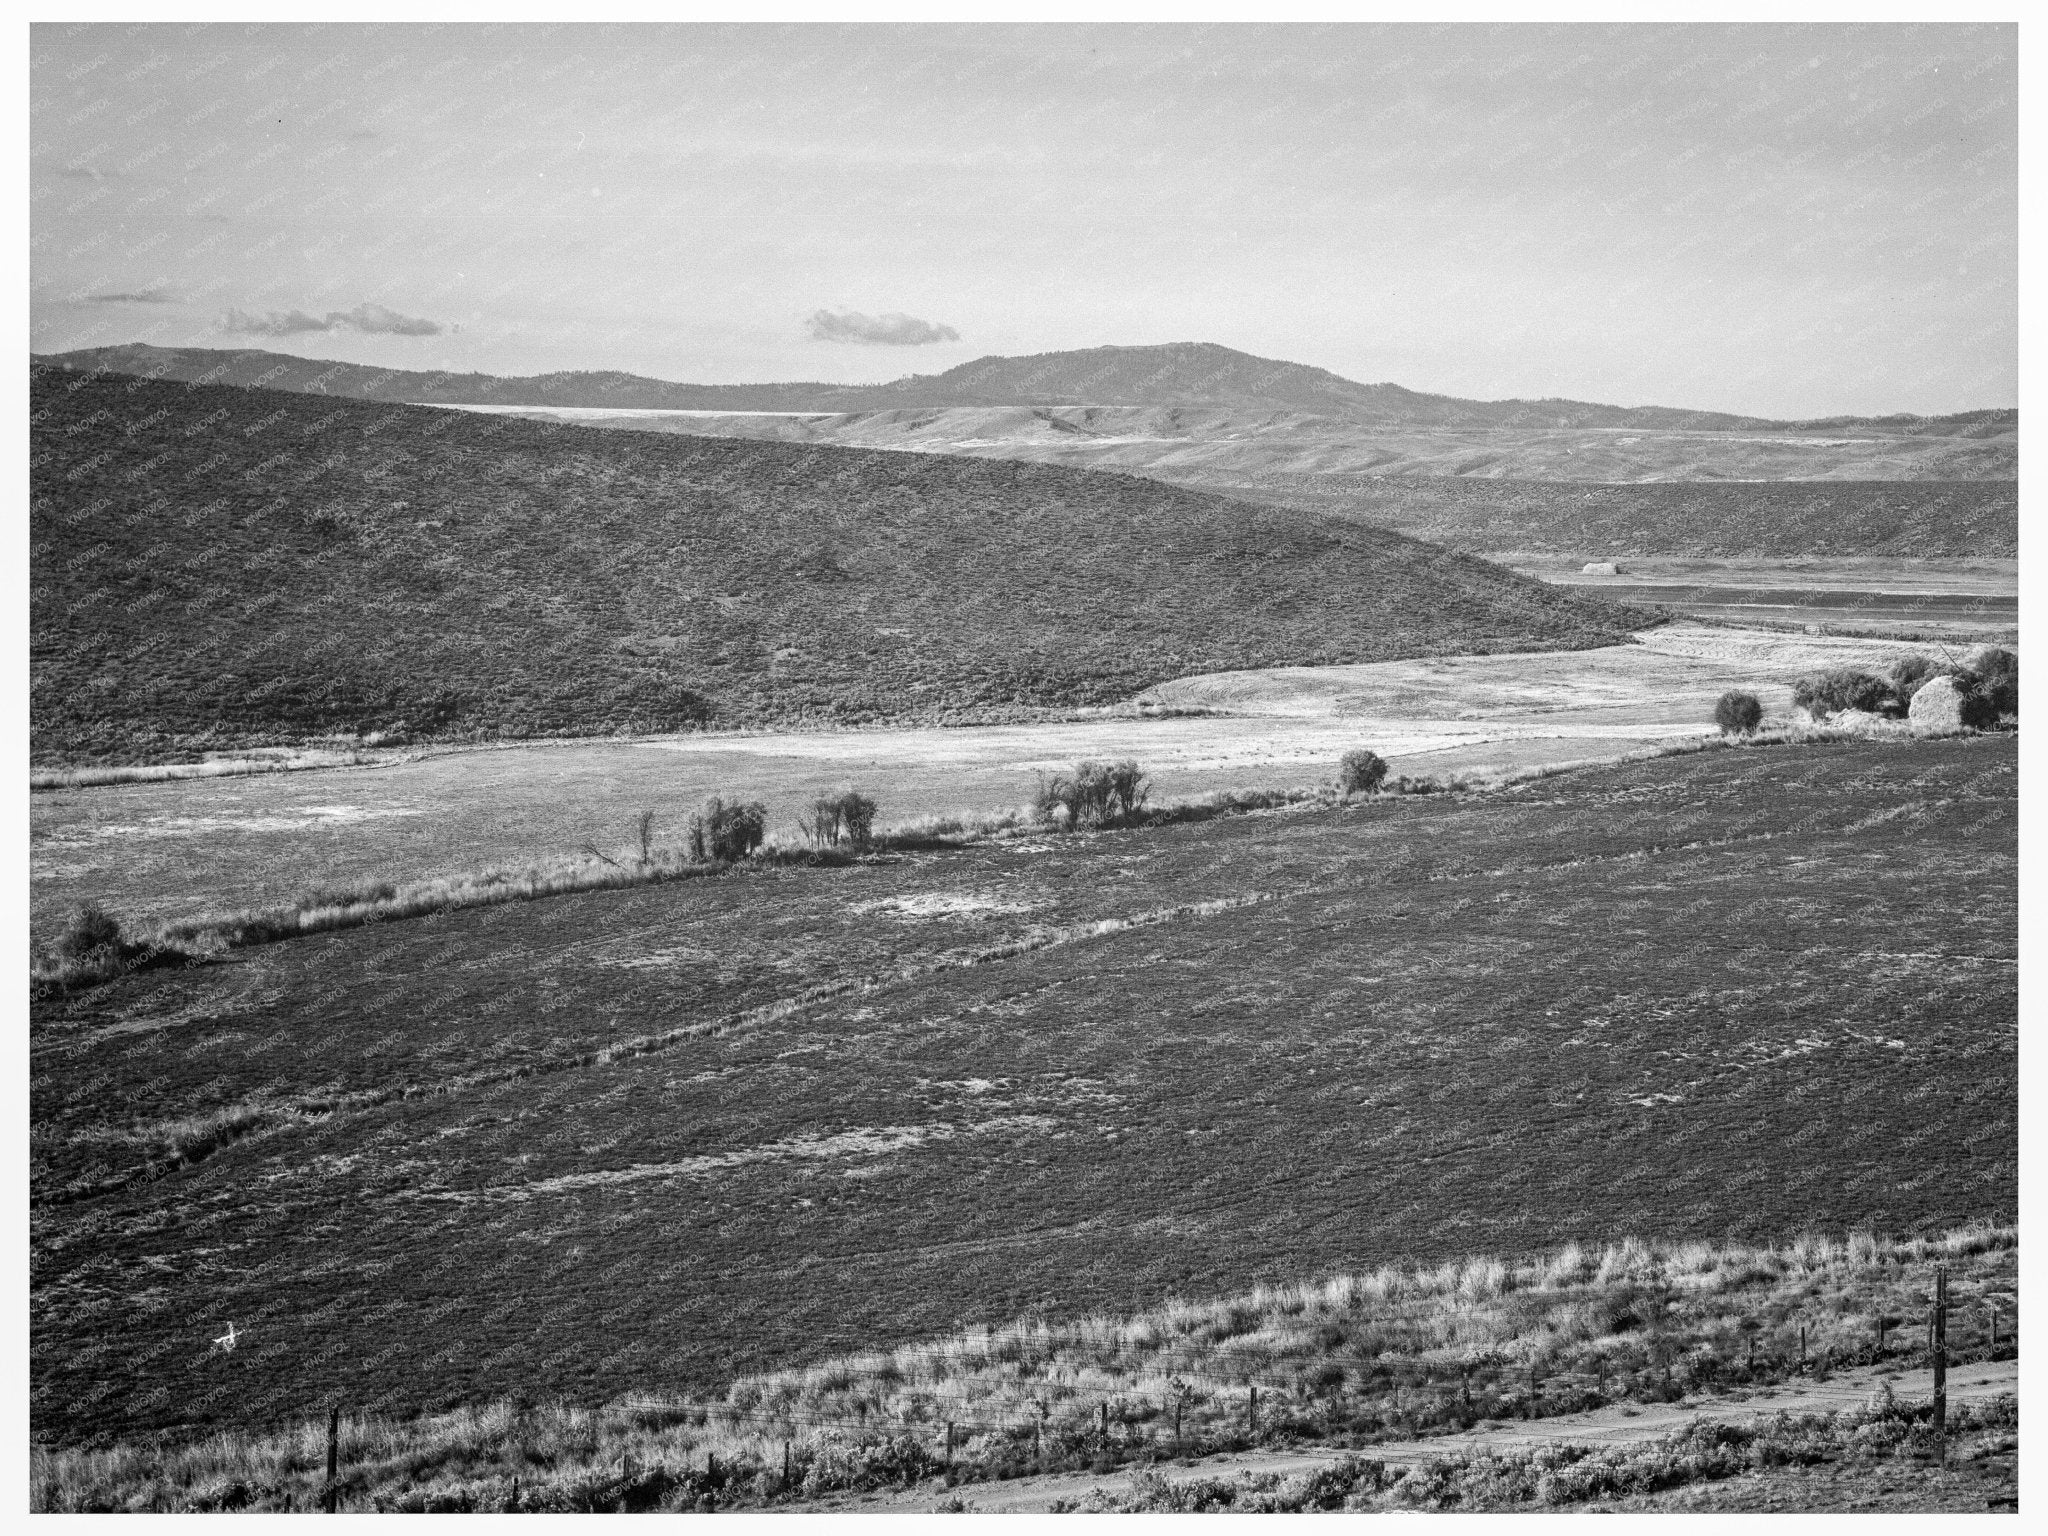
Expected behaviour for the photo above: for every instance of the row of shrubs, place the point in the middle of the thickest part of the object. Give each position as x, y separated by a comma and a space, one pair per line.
93, 949
1989, 684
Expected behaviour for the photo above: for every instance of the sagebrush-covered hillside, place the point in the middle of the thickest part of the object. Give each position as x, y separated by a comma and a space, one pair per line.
217, 566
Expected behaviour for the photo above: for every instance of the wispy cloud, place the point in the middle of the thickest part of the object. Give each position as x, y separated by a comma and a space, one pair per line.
372, 319
877, 330
146, 296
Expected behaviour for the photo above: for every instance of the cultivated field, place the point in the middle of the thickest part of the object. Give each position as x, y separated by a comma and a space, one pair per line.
1958, 601
180, 848
649, 1139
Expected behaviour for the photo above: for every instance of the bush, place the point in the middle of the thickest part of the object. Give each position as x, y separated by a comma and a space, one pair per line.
1909, 674
1361, 772
1738, 713
1995, 675
1094, 794
92, 929
1828, 693
847, 817
722, 833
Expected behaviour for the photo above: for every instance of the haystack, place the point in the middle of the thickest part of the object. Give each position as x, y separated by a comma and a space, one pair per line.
1937, 706
1599, 568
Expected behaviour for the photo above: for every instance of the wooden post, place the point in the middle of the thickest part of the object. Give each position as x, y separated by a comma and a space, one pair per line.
1179, 1446
1941, 1361
949, 1444
512, 1504
333, 1455
1750, 1365
785, 1466
1255, 1413
1802, 1346
711, 1466
1105, 1426
1880, 1332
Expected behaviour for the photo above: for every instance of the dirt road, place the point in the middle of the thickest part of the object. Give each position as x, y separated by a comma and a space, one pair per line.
1619, 1424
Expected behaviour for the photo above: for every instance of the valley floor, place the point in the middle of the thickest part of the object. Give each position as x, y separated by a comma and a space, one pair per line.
184, 847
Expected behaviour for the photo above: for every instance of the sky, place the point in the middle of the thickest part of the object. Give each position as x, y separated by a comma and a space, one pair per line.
1786, 220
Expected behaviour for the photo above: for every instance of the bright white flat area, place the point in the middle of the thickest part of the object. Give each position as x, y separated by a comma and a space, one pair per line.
178, 846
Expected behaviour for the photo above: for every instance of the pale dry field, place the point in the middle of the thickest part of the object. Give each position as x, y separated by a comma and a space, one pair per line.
184, 847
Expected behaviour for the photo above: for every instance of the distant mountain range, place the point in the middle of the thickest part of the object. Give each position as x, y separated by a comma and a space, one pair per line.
1180, 374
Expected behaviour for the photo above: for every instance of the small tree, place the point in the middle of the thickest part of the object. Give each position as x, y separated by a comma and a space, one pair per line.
722, 833
1092, 794
1738, 713
1127, 788
846, 817
1361, 772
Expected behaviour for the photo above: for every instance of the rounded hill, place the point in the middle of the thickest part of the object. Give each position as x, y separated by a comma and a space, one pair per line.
216, 566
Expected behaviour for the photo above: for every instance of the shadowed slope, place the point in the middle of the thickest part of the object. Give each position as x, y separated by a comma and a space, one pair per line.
215, 566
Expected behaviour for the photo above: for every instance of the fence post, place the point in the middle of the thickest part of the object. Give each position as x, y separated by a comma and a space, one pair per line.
1255, 1413
949, 1444
1179, 1446
785, 1466
1105, 1426
1941, 1362
1802, 1346
512, 1504
333, 1455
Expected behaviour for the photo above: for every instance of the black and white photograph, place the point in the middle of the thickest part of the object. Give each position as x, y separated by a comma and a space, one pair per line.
1127, 763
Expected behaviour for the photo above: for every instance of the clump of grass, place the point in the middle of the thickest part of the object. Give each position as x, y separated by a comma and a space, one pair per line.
91, 948
1350, 1359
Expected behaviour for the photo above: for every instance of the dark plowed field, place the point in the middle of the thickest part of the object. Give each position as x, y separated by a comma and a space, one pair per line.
597, 1143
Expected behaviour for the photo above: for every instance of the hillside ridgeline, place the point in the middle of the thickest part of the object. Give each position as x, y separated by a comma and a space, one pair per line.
217, 567
1178, 374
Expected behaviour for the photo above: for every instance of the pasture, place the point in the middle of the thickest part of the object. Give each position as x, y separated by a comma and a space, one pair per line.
181, 848
652, 1139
